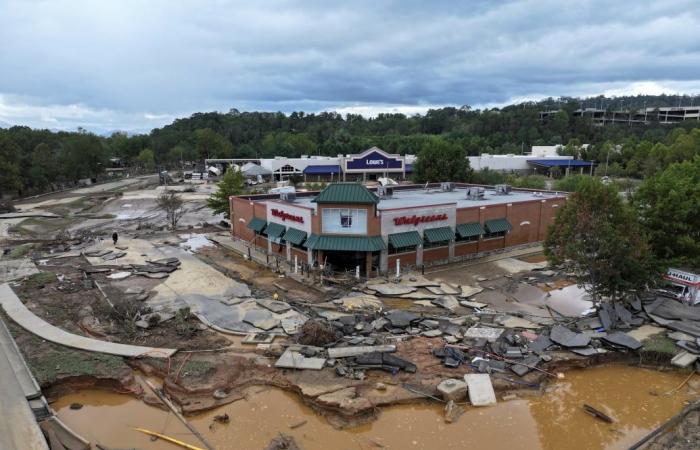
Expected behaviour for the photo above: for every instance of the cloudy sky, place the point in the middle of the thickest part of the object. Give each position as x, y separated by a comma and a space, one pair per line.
135, 65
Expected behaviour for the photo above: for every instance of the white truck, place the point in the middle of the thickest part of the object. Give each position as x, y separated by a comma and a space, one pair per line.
683, 285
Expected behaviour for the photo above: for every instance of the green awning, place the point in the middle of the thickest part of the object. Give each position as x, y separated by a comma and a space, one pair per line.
406, 239
345, 243
497, 226
467, 230
294, 236
256, 224
274, 230
441, 234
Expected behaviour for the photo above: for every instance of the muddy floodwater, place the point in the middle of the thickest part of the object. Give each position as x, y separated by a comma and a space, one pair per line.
632, 396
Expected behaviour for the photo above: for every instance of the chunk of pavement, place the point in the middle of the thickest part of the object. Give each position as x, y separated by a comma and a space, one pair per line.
275, 306
622, 313
480, 389
113, 256
452, 389
605, 319
119, 275
432, 333
292, 325
518, 322
490, 334
449, 289
232, 301
645, 332
261, 318
522, 369
678, 336
685, 326
392, 290
435, 290
385, 360
689, 346
134, 290
97, 253
684, 359
346, 352
400, 318
470, 304
622, 340
567, 338
418, 296
293, 359
588, 351
95, 269
258, 338
468, 291
359, 302
446, 301
430, 323
153, 275
379, 324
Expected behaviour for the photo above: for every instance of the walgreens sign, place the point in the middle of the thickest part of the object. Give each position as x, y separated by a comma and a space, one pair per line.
415, 220
286, 216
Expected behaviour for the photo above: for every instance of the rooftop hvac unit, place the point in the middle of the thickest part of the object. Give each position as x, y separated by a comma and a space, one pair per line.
385, 191
503, 189
447, 187
475, 193
288, 196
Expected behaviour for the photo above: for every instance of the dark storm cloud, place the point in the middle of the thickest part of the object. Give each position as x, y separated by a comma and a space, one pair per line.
134, 65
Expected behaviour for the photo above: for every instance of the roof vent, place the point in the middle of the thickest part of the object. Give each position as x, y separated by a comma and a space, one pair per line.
288, 196
385, 191
503, 189
447, 186
475, 193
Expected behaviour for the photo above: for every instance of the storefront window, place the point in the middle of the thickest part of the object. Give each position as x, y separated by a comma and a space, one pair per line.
344, 221
467, 239
494, 235
394, 250
427, 244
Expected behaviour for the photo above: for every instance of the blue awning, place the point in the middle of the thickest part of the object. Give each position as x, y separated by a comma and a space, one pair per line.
559, 163
319, 170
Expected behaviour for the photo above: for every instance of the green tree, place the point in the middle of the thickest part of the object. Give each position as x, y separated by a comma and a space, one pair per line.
173, 206
10, 181
528, 182
669, 207
596, 236
571, 183
210, 144
441, 160
232, 183
147, 159
42, 170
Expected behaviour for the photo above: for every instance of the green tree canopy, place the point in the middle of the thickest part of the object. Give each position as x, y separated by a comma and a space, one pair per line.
441, 160
147, 159
669, 207
232, 183
596, 236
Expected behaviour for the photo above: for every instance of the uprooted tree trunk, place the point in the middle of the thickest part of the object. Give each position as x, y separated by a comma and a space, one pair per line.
172, 204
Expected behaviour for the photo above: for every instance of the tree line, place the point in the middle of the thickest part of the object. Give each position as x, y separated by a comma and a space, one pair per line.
35, 161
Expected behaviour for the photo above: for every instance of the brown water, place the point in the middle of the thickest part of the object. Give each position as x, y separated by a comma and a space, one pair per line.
553, 421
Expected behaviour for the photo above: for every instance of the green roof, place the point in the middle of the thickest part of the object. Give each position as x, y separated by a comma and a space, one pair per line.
438, 234
467, 230
405, 239
497, 225
347, 193
274, 230
345, 243
256, 224
294, 236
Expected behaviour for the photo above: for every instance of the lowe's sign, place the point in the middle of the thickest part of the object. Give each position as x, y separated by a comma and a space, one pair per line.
374, 159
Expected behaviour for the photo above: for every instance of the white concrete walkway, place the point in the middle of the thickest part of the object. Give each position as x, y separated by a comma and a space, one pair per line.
34, 324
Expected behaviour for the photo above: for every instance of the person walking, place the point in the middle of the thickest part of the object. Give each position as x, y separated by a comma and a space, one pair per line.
115, 237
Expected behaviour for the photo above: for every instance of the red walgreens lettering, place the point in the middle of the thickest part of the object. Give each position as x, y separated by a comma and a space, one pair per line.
286, 216
415, 220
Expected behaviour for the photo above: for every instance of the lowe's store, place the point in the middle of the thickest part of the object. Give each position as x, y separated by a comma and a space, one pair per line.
347, 225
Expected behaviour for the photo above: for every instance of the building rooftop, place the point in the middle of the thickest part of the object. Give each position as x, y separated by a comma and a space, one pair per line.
415, 198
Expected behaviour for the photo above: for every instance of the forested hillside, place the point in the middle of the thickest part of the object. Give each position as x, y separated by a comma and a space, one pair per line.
37, 160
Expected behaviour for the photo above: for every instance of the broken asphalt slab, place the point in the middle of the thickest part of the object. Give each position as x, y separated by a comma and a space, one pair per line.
480, 389
567, 338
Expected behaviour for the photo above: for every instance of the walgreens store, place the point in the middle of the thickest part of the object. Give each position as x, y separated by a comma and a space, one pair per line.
348, 225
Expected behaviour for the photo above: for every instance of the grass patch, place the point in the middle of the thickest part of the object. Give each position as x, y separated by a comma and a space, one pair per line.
660, 344
39, 279
197, 368
21, 251
51, 365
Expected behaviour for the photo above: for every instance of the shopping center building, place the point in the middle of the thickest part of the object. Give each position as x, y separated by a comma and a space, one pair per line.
347, 225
